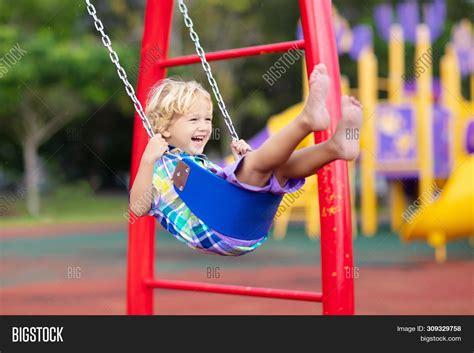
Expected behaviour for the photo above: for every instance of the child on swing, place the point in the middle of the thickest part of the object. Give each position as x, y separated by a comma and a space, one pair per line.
181, 116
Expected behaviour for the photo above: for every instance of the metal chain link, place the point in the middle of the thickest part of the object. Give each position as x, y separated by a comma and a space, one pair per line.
207, 69
120, 70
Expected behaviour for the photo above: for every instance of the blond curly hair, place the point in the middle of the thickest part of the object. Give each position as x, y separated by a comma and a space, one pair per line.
170, 96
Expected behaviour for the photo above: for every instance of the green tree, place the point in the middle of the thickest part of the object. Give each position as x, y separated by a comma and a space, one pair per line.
53, 71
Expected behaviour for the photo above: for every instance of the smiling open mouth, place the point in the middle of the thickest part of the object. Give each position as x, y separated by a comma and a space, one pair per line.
197, 138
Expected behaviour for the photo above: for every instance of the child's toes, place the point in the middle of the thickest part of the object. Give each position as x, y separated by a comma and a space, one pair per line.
346, 101
323, 69
354, 101
314, 75
320, 69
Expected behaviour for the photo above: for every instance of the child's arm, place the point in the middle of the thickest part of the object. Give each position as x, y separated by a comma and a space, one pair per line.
239, 148
141, 195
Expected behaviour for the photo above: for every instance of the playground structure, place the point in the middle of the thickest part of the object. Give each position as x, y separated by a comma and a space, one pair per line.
396, 143
417, 135
336, 244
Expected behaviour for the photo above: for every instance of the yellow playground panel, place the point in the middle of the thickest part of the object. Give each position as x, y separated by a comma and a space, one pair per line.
451, 216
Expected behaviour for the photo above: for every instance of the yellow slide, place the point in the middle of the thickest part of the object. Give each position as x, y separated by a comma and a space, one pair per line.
450, 217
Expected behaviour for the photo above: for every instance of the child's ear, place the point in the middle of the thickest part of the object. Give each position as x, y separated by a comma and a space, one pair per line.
165, 133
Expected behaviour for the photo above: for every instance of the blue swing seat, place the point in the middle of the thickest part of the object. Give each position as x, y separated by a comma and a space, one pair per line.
224, 207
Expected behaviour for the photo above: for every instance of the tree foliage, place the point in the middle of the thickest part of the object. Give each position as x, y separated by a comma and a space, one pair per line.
66, 72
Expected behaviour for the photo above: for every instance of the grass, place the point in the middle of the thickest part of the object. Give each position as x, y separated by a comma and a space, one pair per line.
69, 204
72, 203
77, 203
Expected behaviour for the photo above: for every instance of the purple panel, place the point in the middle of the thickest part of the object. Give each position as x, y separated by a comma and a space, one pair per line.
470, 137
259, 138
383, 20
435, 18
462, 39
361, 38
436, 87
441, 142
299, 31
396, 134
339, 33
409, 18
465, 59
405, 175
397, 141
410, 87
254, 142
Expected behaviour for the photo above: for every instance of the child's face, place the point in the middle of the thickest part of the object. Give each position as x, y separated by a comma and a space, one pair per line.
191, 132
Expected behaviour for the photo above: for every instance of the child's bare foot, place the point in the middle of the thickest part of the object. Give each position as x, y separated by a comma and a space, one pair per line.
315, 112
347, 136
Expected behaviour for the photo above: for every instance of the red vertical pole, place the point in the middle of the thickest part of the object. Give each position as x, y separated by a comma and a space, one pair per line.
334, 193
141, 231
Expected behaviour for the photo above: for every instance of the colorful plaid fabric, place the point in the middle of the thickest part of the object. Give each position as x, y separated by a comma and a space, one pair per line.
177, 218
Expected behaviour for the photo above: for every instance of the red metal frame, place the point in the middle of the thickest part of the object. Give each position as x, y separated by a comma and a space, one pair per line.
334, 198
333, 181
141, 238
236, 290
234, 53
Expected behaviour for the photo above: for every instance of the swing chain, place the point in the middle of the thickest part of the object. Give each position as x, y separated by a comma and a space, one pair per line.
207, 69
129, 88
120, 70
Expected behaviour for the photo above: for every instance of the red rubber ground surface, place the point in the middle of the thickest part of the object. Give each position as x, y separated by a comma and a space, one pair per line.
388, 291
34, 281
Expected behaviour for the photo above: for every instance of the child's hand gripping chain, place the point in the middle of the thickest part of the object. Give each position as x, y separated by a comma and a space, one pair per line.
156, 147
141, 194
239, 148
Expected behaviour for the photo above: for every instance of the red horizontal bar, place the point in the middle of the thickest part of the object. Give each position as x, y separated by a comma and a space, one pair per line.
236, 290
234, 53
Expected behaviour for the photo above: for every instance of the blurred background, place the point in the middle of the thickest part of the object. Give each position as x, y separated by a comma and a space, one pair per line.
65, 147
